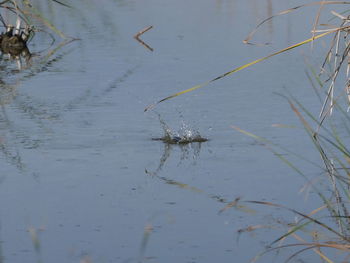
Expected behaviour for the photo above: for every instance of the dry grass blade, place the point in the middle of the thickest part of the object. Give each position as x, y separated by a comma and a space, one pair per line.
181, 185
145, 239
53, 51
317, 210
242, 67
304, 122
330, 93
302, 215
338, 209
284, 12
314, 137
299, 226
59, 2
251, 228
338, 15
316, 250
35, 239
33, 12
317, 246
300, 251
311, 245
16, 11
270, 146
317, 18
229, 205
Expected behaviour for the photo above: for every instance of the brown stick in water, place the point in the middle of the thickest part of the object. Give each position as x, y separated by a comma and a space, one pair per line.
137, 37
143, 31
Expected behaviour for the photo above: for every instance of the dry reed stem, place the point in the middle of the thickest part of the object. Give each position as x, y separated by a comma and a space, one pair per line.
137, 37
143, 31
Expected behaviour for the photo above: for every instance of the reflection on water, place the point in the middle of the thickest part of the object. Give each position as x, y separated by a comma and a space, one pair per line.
12, 74
187, 139
41, 114
69, 116
19, 56
189, 151
184, 136
10, 152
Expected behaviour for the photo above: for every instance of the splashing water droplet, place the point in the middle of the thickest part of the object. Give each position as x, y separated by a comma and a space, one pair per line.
185, 135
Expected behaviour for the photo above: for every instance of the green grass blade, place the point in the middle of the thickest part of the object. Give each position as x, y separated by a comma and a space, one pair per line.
242, 67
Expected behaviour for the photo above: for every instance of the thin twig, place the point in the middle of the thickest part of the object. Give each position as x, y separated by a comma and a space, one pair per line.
137, 37
143, 31
144, 44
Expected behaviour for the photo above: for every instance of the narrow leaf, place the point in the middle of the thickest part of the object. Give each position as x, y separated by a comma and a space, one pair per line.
242, 67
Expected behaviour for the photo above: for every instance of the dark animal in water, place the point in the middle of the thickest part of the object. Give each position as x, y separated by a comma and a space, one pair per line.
14, 43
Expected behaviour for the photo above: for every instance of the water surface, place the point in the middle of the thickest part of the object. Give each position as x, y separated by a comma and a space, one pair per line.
79, 167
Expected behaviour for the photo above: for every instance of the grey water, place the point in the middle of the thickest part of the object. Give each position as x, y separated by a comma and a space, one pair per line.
81, 179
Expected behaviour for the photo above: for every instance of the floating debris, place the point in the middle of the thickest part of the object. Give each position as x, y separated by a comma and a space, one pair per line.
137, 37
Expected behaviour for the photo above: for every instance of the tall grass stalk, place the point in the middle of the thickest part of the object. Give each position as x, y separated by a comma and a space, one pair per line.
339, 58
330, 137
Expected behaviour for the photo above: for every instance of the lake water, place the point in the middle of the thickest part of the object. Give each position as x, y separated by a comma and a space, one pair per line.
81, 179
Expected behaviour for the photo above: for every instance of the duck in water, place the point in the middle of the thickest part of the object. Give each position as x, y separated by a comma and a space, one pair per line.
7, 35
14, 43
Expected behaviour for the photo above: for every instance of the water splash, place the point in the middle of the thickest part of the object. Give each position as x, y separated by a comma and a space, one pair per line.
184, 135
